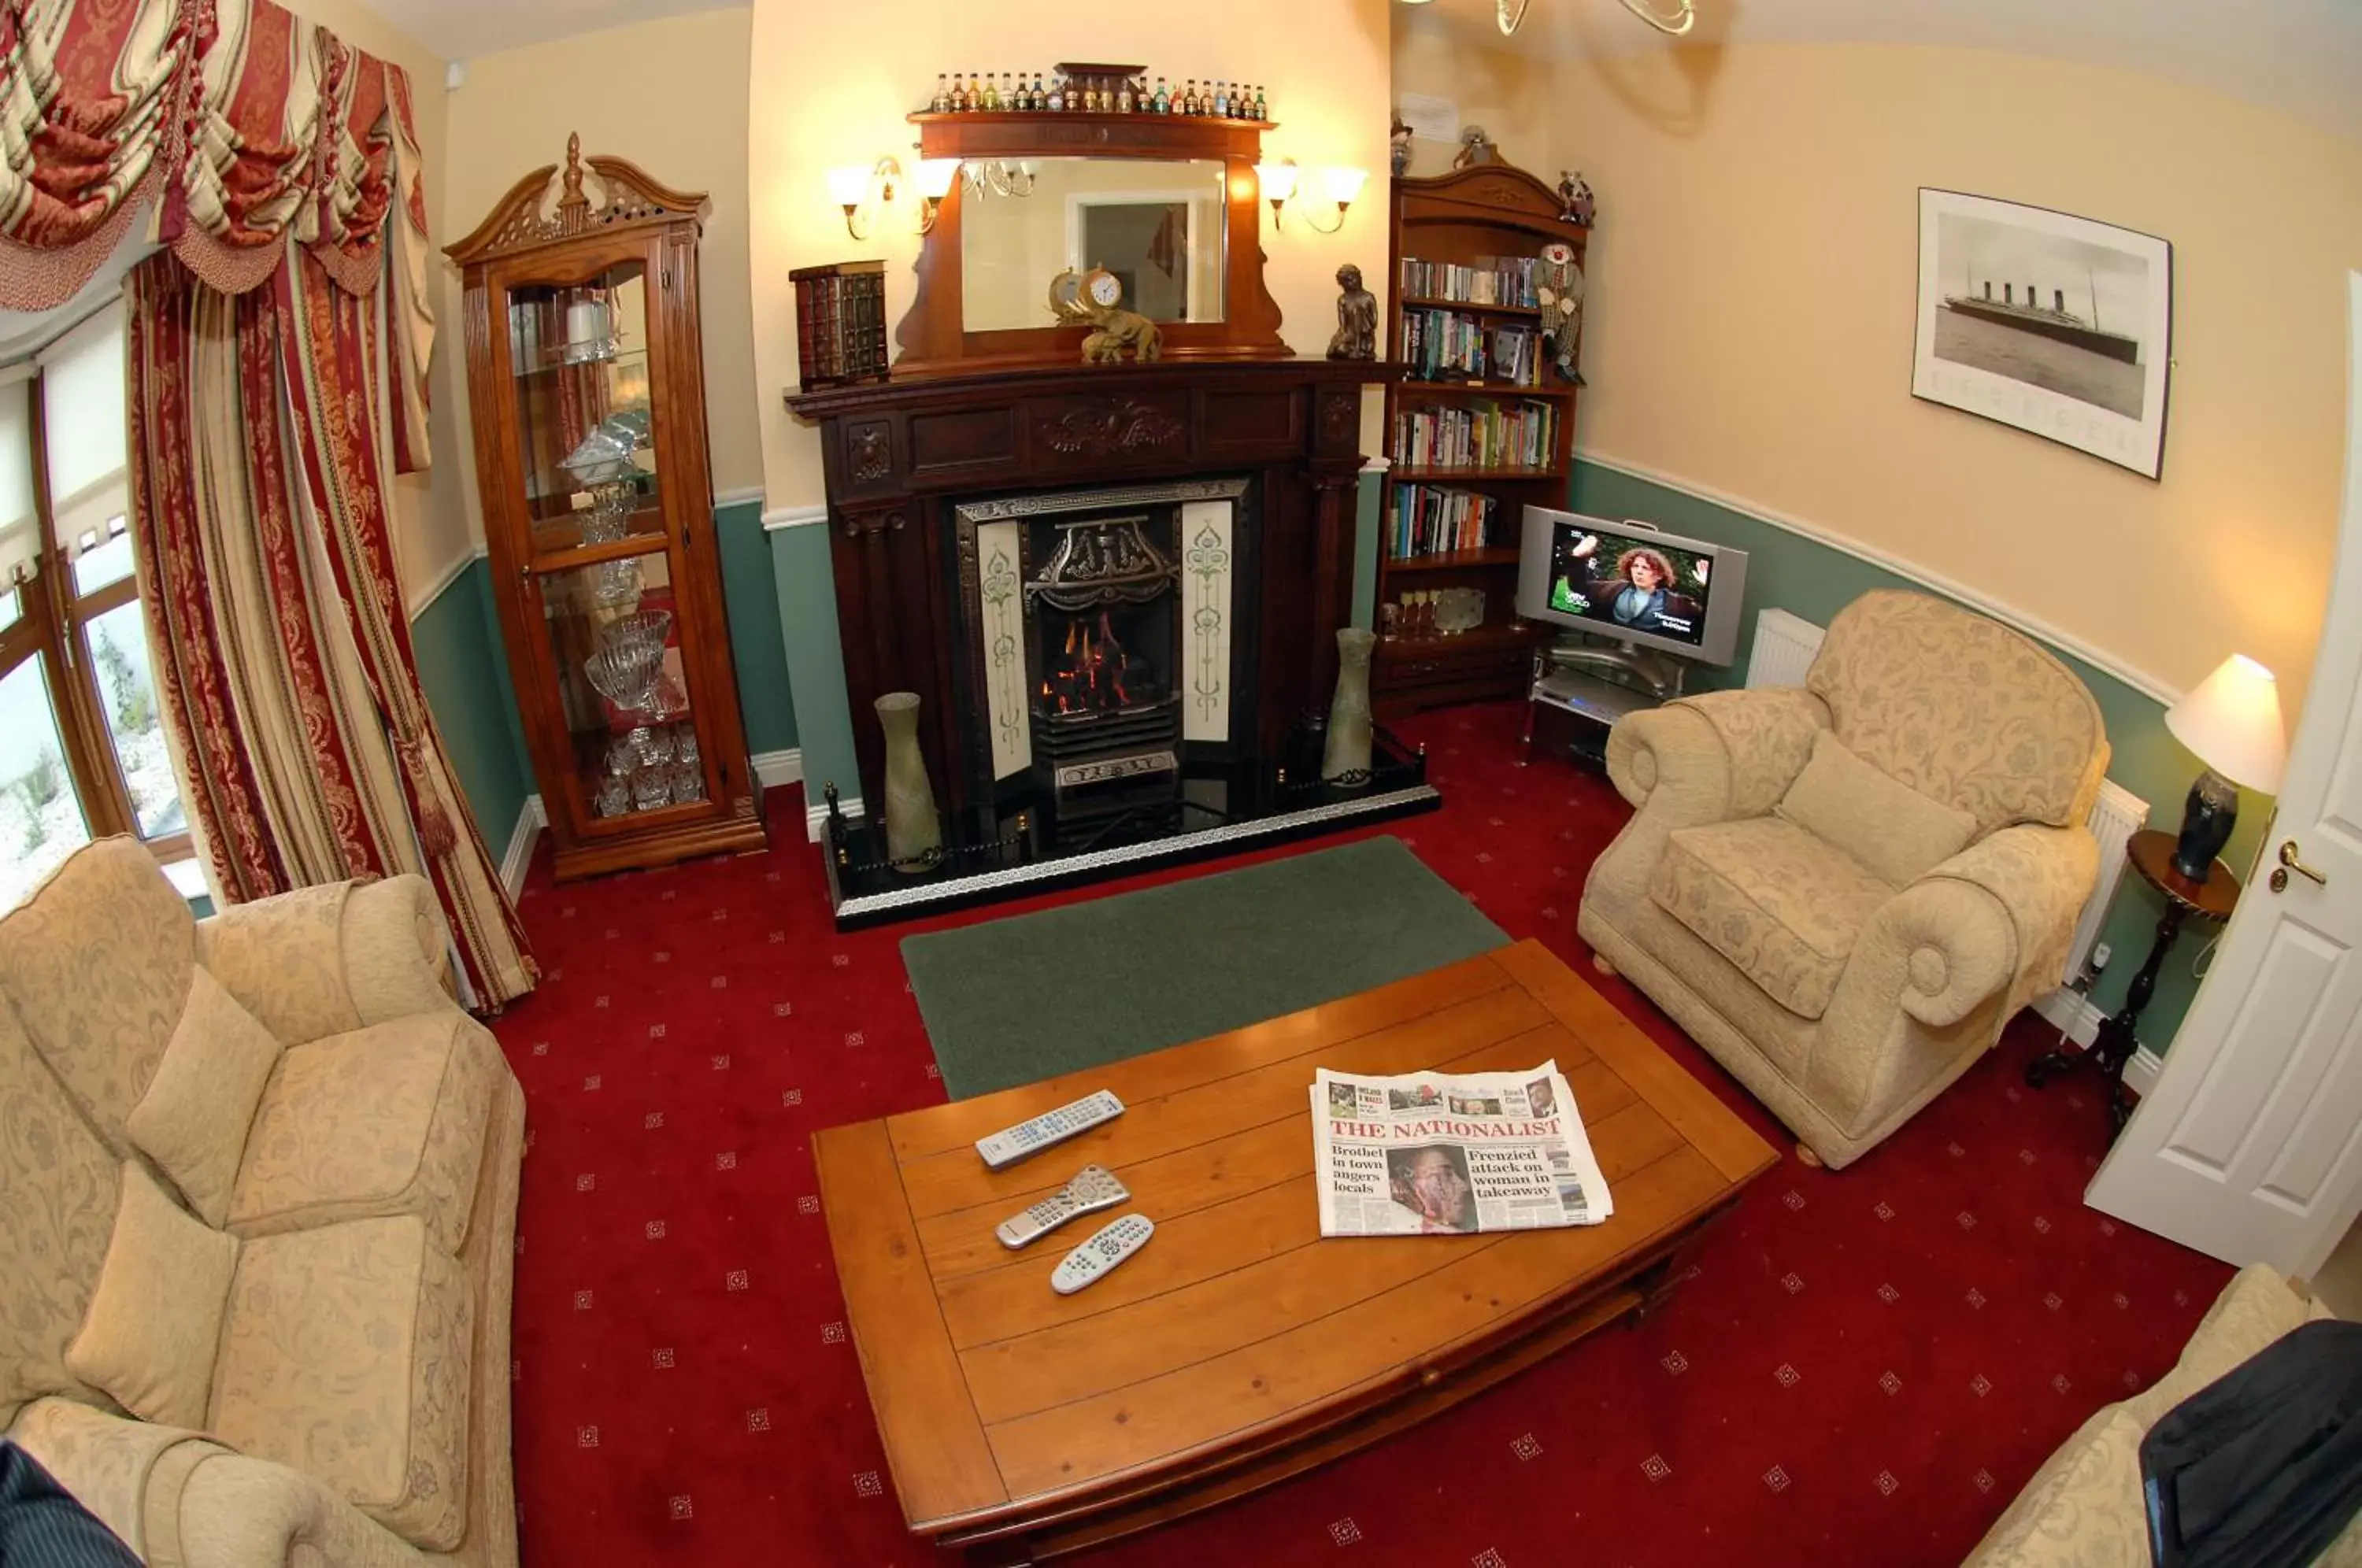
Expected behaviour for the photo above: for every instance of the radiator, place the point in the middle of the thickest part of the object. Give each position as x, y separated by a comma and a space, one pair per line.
1784, 647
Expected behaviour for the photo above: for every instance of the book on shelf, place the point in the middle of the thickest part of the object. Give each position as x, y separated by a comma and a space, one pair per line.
1433, 520
1442, 346
1482, 434
1492, 281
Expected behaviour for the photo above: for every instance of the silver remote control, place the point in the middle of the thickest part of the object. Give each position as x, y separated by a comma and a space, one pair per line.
1011, 1145
1090, 1189
1116, 1240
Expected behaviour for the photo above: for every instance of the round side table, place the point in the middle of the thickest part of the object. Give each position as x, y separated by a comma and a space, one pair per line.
2150, 853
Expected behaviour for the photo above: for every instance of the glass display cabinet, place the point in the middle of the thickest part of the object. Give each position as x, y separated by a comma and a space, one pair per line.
586, 376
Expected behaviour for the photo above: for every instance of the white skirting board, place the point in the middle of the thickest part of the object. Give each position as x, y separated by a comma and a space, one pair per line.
816, 814
772, 768
2080, 1019
1784, 650
530, 821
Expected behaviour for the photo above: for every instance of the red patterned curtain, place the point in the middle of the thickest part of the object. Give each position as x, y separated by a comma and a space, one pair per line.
262, 453
229, 127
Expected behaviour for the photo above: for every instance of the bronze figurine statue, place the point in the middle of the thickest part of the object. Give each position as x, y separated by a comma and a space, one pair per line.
1357, 318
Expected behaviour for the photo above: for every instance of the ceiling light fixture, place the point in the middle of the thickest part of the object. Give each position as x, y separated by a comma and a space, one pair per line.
1511, 15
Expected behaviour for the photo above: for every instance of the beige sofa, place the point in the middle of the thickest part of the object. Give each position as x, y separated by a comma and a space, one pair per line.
2084, 1507
1843, 892
258, 1207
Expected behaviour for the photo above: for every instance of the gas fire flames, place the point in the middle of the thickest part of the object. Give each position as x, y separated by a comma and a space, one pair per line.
1090, 677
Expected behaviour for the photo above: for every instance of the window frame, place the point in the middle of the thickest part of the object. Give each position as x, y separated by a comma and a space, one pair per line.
53, 625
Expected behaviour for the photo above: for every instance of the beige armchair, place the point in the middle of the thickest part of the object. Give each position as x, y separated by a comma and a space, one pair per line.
1843, 892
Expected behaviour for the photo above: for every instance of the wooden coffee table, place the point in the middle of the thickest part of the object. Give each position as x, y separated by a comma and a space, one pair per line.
1238, 1347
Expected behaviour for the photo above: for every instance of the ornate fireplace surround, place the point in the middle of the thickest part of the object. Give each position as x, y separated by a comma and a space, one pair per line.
904, 457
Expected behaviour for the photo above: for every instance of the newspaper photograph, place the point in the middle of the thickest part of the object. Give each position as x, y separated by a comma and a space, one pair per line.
1442, 1154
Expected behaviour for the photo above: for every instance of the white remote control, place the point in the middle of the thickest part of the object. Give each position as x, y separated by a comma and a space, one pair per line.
1092, 1189
1007, 1147
1117, 1241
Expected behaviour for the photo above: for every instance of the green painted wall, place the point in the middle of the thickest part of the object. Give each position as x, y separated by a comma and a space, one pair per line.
463, 665
1808, 579
804, 589
755, 646
464, 669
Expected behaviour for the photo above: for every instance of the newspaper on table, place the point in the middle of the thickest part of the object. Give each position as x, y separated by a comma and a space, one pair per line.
1443, 1154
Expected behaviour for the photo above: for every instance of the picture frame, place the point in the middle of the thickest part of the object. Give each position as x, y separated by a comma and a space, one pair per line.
2056, 324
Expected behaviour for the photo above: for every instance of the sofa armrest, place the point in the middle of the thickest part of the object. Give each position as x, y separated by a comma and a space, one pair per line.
235, 1512
129, 1472
1994, 920
1715, 757
326, 960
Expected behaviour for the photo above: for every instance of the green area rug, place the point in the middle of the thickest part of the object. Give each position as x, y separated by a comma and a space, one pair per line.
1033, 996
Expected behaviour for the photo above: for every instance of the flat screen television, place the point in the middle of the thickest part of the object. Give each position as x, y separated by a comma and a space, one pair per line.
1617, 580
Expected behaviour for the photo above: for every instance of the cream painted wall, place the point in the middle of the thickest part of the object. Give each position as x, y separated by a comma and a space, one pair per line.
1751, 312
828, 88
1508, 93
668, 94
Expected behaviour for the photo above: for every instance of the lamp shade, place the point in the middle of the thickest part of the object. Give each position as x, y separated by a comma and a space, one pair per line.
849, 185
936, 177
1345, 185
2232, 721
1278, 180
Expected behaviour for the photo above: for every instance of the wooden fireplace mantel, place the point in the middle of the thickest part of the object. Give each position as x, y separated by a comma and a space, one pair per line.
899, 454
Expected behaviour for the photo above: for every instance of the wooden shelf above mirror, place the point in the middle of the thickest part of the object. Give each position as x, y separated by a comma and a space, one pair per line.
1228, 313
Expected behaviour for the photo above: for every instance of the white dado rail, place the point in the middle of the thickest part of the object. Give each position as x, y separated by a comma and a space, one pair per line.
1784, 650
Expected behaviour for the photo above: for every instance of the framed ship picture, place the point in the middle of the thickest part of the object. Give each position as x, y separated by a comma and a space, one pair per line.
2058, 325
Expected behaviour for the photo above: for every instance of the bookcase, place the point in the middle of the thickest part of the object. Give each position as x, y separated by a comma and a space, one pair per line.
1478, 427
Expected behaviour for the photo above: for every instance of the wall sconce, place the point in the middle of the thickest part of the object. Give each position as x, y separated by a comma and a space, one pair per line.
862, 192
865, 193
1283, 184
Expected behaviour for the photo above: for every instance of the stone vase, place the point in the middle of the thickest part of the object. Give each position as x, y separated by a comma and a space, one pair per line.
914, 830
1346, 759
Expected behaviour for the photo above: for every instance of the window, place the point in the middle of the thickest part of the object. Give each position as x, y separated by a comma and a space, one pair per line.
82, 739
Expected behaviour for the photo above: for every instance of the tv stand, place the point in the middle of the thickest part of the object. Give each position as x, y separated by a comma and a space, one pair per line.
1594, 685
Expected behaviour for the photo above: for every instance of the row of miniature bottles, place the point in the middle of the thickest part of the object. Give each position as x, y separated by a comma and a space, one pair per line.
1023, 93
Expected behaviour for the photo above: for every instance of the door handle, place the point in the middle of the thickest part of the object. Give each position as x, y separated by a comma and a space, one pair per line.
2292, 861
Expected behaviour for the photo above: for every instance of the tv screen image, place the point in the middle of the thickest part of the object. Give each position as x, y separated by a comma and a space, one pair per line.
1631, 584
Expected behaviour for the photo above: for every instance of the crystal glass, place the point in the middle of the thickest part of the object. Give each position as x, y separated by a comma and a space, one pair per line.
684, 743
614, 796
579, 362
688, 783
622, 686
651, 789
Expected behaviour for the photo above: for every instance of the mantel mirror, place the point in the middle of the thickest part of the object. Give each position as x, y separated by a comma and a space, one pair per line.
1161, 229
1168, 205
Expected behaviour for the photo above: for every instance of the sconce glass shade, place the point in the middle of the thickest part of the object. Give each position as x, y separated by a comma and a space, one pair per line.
1345, 185
849, 185
1278, 180
936, 177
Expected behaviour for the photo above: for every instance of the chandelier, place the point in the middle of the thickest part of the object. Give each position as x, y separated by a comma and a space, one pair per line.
1511, 13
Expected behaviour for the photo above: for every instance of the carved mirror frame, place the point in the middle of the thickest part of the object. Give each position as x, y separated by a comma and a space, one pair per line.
933, 336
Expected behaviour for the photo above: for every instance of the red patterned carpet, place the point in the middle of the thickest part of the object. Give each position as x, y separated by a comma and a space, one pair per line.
1865, 1368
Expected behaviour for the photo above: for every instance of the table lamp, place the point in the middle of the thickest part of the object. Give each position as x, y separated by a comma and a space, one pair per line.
2232, 722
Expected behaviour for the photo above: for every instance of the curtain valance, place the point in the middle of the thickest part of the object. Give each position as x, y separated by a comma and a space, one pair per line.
233, 125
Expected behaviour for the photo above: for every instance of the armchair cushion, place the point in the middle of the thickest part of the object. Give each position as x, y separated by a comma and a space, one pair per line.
347, 1355
192, 1121
98, 963
153, 1328
1782, 905
1892, 829
386, 1119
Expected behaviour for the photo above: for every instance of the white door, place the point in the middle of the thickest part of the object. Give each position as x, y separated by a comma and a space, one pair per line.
2250, 1145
